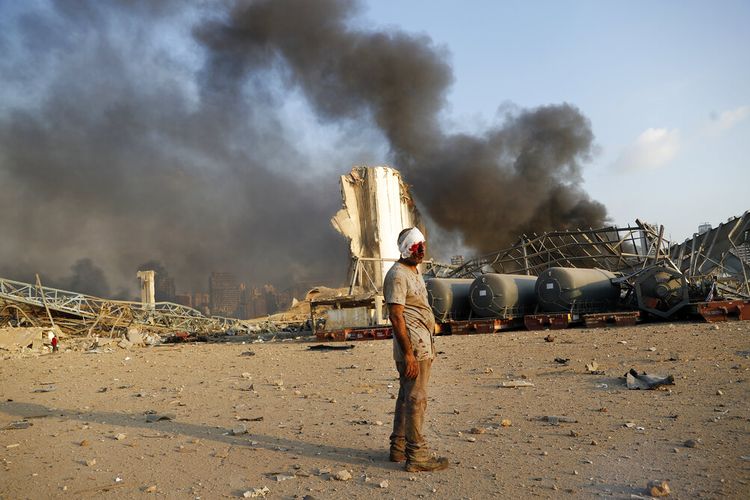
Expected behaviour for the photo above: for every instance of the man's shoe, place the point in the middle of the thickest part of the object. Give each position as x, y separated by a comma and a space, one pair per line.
429, 465
397, 456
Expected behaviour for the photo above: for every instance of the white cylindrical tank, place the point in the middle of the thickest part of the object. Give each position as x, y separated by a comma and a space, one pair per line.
498, 295
569, 289
449, 298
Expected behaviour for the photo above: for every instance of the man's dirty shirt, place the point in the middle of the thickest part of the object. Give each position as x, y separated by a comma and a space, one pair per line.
404, 286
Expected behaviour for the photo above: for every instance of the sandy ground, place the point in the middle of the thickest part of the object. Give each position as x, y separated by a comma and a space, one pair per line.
324, 412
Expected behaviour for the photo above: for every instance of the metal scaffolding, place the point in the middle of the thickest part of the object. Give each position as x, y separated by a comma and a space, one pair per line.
616, 249
79, 313
718, 255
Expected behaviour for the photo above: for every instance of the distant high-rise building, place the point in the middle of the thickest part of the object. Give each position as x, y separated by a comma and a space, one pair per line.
184, 299
164, 287
704, 228
244, 310
272, 299
256, 303
201, 302
224, 293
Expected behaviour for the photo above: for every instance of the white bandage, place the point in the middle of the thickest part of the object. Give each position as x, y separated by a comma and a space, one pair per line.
413, 236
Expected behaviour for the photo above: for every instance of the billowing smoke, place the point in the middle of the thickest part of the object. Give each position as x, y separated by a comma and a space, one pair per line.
519, 177
126, 138
114, 148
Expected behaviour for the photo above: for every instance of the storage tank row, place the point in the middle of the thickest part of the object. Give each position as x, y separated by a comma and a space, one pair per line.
557, 289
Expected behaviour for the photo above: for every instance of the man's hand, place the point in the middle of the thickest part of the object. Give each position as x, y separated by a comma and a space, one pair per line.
412, 365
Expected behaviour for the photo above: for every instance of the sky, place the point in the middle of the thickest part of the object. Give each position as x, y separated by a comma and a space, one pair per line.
210, 135
665, 84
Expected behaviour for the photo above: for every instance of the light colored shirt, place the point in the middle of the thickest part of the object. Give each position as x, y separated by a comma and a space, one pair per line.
404, 286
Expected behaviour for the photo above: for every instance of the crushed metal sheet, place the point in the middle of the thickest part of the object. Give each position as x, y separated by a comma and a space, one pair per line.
646, 381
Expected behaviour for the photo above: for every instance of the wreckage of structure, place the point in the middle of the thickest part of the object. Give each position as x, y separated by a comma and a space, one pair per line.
611, 275
377, 205
34, 305
593, 277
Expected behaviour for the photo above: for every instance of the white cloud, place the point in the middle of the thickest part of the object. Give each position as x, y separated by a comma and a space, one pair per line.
727, 119
654, 148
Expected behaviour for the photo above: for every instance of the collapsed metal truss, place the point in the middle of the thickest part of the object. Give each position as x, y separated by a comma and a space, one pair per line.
714, 263
79, 313
721, 254
620, 249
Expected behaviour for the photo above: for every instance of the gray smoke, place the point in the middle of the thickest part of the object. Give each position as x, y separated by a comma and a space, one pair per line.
520, 177
112, 149
120, 145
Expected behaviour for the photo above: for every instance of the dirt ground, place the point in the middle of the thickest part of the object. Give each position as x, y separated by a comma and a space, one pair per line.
311, 414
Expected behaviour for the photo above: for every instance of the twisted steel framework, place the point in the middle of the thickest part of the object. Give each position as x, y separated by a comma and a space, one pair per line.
80, 312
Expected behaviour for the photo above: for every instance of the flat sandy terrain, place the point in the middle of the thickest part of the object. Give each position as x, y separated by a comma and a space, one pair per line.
310, 414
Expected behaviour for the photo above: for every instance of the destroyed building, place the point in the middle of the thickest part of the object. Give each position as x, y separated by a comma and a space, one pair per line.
224, 293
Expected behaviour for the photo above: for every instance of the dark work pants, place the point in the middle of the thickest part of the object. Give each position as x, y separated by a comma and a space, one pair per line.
410, 409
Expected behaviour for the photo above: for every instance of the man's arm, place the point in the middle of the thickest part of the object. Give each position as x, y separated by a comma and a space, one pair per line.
396, 315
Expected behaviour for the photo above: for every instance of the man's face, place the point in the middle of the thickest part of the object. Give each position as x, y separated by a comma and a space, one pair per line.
418, 252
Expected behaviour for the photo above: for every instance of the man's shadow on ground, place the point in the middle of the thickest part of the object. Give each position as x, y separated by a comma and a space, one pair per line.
371, 458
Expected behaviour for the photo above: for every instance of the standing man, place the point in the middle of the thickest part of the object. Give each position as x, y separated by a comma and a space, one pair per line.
413, 350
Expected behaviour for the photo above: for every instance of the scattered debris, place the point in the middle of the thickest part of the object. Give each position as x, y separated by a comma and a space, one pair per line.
327, 347
562, 361
477, 430
20, 424
383, 484
593, 368
151, 489
556, 420
248, 353
154, 417
342, 475
249, 419
239, 430
658, 488
646, 381
506, 422
549, 338
692, 443
517, 383
17, 338
257, 492
120, 436
282, 477
49, 388
91, 463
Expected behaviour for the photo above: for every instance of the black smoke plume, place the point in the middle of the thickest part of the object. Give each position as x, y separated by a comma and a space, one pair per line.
120, 145
519, 177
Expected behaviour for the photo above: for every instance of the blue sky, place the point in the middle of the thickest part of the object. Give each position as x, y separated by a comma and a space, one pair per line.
666, 86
